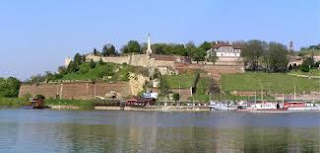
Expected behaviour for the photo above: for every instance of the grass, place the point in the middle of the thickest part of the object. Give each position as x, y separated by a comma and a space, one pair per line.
313, 72
270, 82
13, 102
182, 80
82, 104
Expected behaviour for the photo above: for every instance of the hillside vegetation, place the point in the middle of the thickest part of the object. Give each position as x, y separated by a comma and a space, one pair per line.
109, 72
274, 82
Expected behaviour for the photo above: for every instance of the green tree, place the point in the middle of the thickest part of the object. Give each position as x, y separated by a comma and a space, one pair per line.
212, 58
92, 64
109, 50
95, 52
176, 97
277, 56
164, 86
206, 46
62, 70
9, 87
252, 51
132, 47
197, 54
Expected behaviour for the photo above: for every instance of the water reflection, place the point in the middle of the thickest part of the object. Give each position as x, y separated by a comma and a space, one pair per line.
94, 131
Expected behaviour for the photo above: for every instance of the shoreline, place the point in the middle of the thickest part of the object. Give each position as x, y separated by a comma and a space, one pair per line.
148, 108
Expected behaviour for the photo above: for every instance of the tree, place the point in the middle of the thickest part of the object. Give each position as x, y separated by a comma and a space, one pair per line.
109, 50
252, 51
197, 54
105, 51
92, 64
176, 97
164, 86
9, 87
277, 56
132, 47
62, 70
212, 58
206, 46
95, 52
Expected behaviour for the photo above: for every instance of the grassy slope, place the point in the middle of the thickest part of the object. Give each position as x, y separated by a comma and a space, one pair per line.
274, 82
185, 80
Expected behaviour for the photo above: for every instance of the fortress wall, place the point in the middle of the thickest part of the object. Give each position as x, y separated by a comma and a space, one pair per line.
45, 89
136, 60
84, 91
139, 60
117, 59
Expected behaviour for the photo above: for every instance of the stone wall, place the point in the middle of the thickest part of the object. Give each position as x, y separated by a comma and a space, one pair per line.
214, 71
83, 91
138, 60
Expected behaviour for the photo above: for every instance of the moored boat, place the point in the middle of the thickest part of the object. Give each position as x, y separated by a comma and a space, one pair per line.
297, 106
220, 106
264, 107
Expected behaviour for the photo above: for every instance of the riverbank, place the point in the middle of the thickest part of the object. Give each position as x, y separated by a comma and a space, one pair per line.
12, 102
148, 108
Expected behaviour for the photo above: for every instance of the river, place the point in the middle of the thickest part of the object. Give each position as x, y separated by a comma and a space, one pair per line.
30, 131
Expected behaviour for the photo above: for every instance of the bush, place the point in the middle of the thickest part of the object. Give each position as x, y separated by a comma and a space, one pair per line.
176, 96
304, 68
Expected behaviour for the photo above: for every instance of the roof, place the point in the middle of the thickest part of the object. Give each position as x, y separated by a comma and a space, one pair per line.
228, 45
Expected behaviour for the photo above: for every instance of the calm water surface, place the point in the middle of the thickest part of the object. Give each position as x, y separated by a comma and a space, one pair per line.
25, 130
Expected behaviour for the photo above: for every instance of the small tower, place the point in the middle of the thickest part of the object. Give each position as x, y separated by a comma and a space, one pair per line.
149, 50
291, 48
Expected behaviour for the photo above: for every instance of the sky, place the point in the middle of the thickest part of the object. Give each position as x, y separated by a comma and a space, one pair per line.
37, 35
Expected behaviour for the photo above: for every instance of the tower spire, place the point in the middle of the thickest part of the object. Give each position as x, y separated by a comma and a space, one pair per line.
149, 50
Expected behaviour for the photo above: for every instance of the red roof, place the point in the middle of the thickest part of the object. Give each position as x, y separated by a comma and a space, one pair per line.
228, 45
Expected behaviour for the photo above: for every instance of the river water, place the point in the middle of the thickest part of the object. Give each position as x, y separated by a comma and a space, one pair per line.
30, 131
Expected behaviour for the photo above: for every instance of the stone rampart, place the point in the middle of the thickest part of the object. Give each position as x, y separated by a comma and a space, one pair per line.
83, 91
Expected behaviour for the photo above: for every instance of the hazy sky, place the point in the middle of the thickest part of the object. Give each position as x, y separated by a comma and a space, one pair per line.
36, 35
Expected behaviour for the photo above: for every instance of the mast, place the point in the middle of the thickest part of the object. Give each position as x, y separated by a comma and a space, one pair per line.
294, 94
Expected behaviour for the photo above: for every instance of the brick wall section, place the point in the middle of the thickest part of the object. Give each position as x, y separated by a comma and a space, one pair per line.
84, 91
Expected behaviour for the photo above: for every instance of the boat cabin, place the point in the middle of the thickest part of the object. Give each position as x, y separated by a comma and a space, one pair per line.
140, 102
38, 101
294, 104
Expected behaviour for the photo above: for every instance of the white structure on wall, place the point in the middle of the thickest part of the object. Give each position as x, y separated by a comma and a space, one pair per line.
67, 61
225, 50
149, 50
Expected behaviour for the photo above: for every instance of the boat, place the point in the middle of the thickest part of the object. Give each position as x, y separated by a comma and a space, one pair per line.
300, 106
221, 106
264, 107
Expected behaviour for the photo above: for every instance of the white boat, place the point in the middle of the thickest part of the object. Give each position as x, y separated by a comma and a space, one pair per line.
264, 107
219, 106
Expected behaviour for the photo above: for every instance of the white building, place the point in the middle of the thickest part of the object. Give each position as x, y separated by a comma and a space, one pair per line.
225, 50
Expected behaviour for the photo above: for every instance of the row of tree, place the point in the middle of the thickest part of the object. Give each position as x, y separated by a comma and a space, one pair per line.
197, 53
260, 55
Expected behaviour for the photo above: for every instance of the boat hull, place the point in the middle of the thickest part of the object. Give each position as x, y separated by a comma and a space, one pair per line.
283, 110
